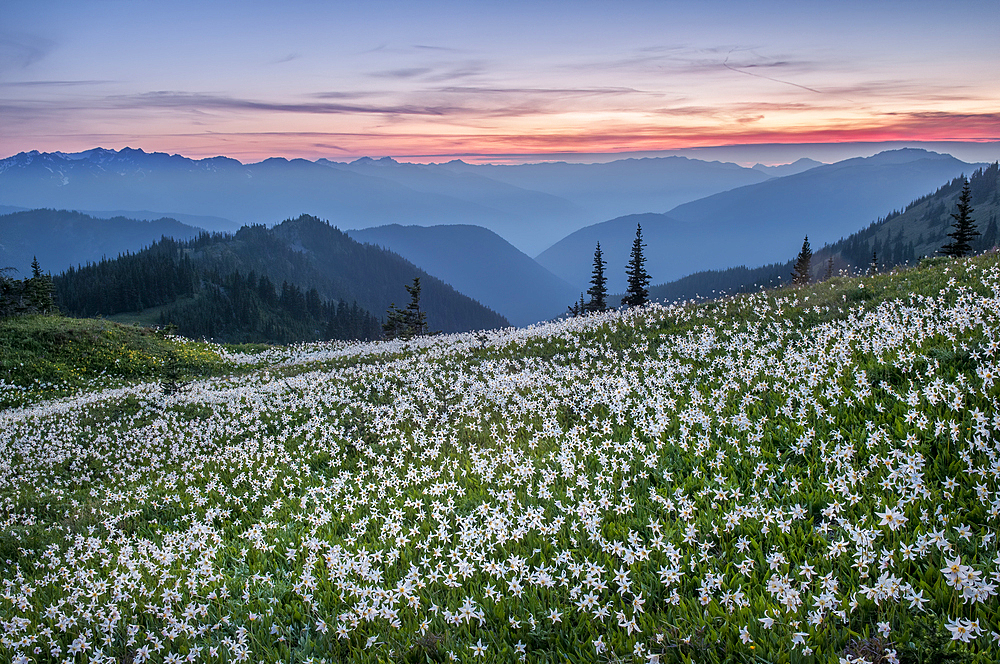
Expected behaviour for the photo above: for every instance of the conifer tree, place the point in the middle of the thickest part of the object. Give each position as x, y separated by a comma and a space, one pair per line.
416, 320
409, 322
39, 289
801, 272
965, 227
578, 308
598, 290
395, 323
638, 279
829, 268
873, 268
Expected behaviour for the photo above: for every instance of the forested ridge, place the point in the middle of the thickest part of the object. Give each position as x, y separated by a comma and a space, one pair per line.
301, 280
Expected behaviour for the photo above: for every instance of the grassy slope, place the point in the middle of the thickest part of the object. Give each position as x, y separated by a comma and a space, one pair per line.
46, 356
283, 423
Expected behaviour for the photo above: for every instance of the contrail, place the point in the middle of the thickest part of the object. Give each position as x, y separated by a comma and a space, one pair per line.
776, 80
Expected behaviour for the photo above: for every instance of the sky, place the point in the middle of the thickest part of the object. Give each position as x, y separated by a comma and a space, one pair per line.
493, 81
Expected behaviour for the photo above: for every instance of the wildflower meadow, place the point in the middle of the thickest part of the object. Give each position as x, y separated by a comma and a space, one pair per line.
805, 475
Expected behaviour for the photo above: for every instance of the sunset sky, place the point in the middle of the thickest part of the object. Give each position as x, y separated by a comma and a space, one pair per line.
491, 80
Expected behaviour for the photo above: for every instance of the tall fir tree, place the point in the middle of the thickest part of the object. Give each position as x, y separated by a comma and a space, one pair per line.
964, 227
802, 271
409, 322
416, 319
638, 279
40, 290
598, 290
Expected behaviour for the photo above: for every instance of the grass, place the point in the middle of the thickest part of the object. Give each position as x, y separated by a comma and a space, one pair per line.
48, 356
296, 503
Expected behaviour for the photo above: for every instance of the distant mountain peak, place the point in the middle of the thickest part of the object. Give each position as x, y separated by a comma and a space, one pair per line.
780, 170
383, 161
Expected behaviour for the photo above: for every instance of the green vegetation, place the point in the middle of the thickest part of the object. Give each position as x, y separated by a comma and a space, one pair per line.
44, 356
802, 475
302, 280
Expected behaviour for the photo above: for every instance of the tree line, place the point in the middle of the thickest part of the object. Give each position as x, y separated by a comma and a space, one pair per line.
202, 300
240, 308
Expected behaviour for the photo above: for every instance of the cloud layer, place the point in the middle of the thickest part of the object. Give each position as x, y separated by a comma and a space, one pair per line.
456, 79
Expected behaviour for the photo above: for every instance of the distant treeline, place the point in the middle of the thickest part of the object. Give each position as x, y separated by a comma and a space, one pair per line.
232, 307
248, 308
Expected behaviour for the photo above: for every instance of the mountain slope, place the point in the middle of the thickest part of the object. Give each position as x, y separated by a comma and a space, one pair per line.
901, 237
759, 223
534, 219
61, 239
304, 252
480, 264
625, 186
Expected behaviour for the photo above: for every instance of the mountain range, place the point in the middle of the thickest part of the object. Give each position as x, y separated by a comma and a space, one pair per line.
759, 223
753, 224
531, 206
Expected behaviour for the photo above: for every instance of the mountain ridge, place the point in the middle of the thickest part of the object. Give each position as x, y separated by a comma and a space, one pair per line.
756, 224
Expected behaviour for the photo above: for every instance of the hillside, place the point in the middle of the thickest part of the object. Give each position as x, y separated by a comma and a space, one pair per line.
758, 223
304, 255
900, 237
481, 264
792, 476
62, 239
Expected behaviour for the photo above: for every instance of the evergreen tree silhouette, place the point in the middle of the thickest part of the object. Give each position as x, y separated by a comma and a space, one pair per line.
416, 319
598, 290
39, 289
965, 227
638, 279
801, 273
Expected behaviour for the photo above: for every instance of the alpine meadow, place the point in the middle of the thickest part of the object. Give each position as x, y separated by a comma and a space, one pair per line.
800, 475
522, 332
